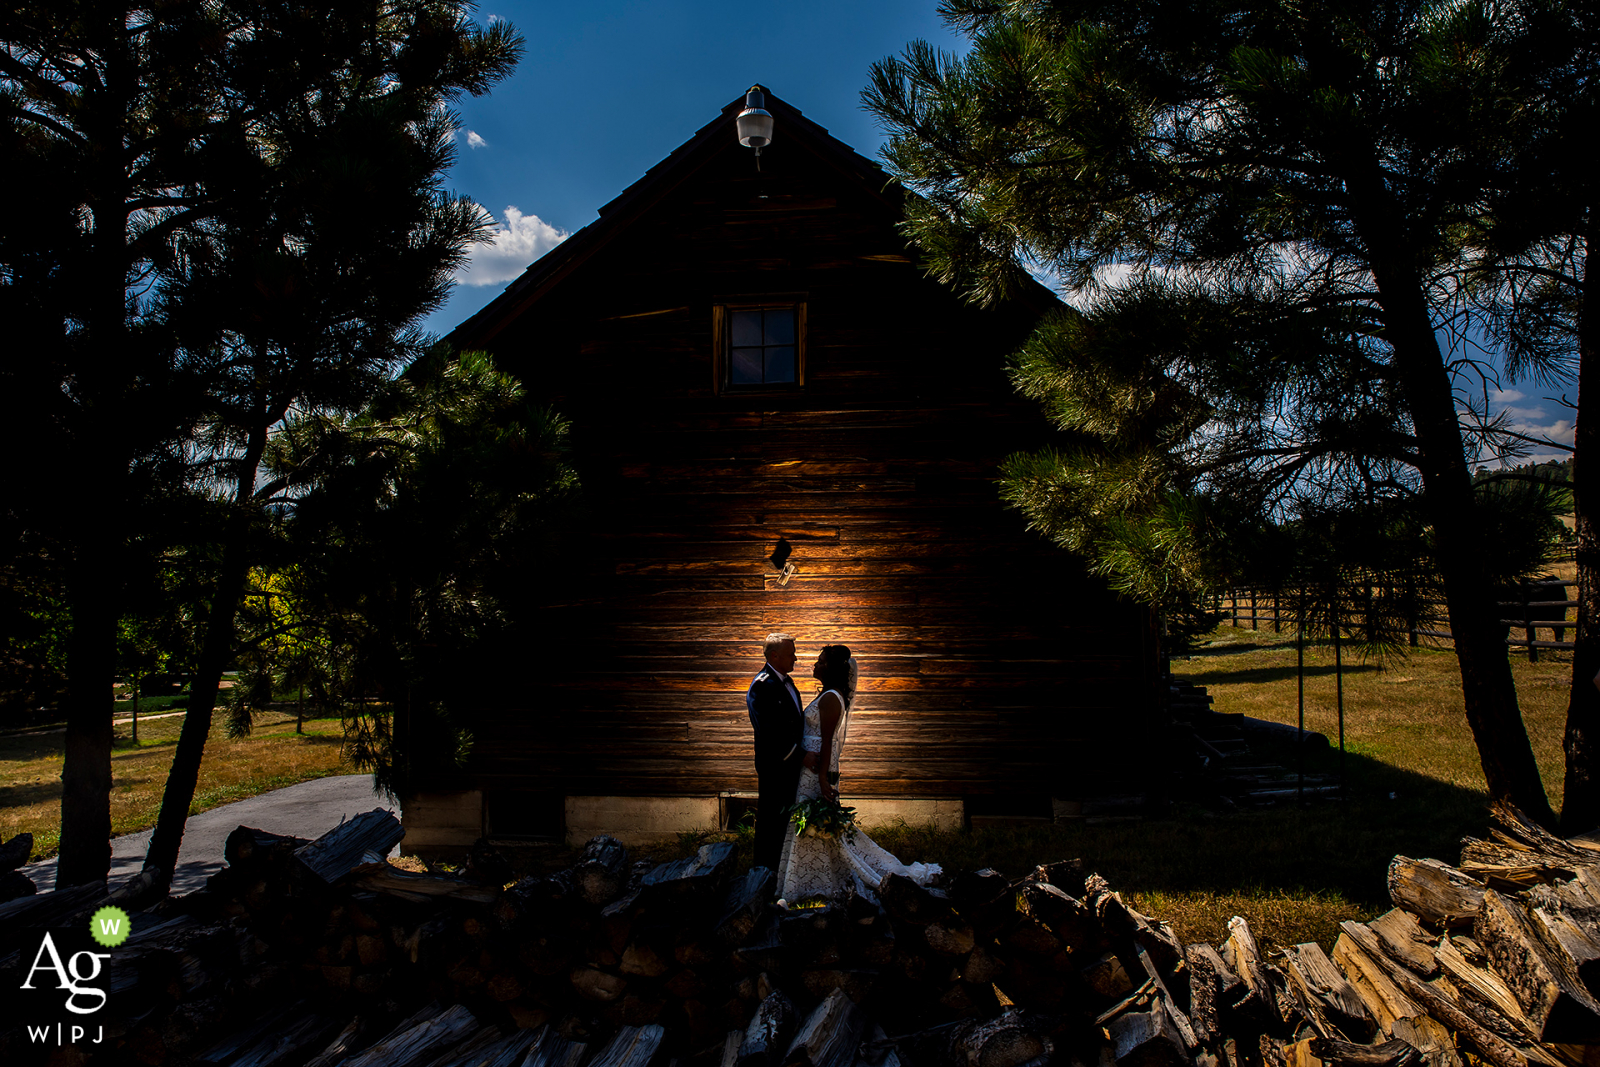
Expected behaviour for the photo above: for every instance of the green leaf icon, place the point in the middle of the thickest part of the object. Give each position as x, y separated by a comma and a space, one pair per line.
110, 926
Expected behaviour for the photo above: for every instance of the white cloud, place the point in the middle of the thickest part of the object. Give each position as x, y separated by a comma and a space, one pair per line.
474, 141
518, 241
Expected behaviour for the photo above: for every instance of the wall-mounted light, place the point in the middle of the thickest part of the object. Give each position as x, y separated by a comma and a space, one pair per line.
755, 123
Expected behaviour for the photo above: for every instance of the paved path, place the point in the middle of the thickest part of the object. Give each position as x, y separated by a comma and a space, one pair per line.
309, 809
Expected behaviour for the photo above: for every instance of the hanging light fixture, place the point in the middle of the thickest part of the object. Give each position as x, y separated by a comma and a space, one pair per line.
755, 123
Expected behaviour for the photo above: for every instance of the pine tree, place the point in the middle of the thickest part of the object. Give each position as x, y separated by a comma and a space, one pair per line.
1267, 211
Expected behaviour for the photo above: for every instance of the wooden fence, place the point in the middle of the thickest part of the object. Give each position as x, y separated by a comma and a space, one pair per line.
1540, 606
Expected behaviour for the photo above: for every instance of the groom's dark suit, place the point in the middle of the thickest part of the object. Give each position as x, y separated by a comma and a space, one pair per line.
776, 717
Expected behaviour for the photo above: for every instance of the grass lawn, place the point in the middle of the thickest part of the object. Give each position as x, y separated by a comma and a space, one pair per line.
272, 757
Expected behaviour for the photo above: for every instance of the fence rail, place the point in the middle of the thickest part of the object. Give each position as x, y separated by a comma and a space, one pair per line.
1259, 606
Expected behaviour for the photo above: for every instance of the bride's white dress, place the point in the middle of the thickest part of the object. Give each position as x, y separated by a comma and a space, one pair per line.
834, 867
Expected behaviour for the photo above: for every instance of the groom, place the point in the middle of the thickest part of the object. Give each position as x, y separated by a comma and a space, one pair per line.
776, 717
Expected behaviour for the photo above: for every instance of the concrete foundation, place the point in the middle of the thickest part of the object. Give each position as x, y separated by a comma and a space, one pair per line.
438, 823
446, 823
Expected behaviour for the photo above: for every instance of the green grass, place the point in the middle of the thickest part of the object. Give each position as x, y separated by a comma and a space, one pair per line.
274, 756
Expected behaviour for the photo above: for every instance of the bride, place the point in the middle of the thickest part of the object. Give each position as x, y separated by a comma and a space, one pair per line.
834, 867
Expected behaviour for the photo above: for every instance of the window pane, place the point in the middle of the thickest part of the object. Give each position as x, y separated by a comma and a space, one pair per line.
746, 367
746, 328
780, 326
780, 364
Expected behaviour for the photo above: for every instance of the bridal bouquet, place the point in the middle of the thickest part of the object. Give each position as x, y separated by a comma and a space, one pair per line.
823, 818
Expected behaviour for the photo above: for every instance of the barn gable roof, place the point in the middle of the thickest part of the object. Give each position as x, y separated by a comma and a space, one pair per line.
659, 181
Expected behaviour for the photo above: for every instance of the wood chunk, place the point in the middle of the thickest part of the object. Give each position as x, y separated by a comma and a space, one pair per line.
1005, 1041
1068, 918
550, 1049
332, 856
1241, 954
1107, 977
1179, 1020
829, 1035
416, 887
1512, 825
486, 1048
1397, 1015
730, 1047
601, 873
1393, 1053
1486, 987
1565, 929
416, 1043
633, 1046
743, 905
1438, 892
1213, 987
695, 883
1552, 996
1511, 868
352, 1037
906, 901
1404, 940
247, 846
1146, 1039
595, 984
766, 1040
950, 938
285, 1045
1431, 1007
1330, 999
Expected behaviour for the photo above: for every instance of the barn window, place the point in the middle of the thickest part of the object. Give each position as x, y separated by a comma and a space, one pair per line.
760, 346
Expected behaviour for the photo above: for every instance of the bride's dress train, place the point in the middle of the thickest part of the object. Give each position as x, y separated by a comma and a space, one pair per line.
826, 866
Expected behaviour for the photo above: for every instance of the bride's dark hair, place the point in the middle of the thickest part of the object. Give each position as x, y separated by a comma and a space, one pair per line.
836, 670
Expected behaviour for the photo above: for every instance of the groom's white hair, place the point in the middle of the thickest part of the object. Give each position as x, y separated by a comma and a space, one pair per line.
774, 641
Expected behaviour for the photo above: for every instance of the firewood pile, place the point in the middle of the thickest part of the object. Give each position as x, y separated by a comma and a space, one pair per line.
320, 953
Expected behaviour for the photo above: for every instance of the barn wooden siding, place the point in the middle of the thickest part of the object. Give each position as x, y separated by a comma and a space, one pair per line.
990, 664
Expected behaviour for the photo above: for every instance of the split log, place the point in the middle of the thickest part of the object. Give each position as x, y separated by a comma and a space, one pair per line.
1404, 940
1438, 892
630, 895
878, 1051
743, 906
906, 901
1393, 1053
1068, 918
1396, 1014
331, 856
1479, 993
1146, 1039
699, 882
1263, 1002
418, 888
419, 1041
633, 1046
601, 873
1006, 1041
1513, 826
286, 1045
1213, 988
595, 984
1107, 977
766, 1039
247, 846
550, 1049
829, 1035
1331, 1000
1179, 1020
1552, 997
1491, 1046
1571, 930
1509, 867
730, 1047
346, 1041
490, 1047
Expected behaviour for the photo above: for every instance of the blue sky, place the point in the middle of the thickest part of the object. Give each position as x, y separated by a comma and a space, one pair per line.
604, 91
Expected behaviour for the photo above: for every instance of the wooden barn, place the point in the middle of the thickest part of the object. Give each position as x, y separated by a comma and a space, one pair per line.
781, 424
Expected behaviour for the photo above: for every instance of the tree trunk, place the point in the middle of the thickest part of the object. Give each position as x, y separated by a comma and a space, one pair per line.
86, 769
215, 651
1487, 688
1580, 801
